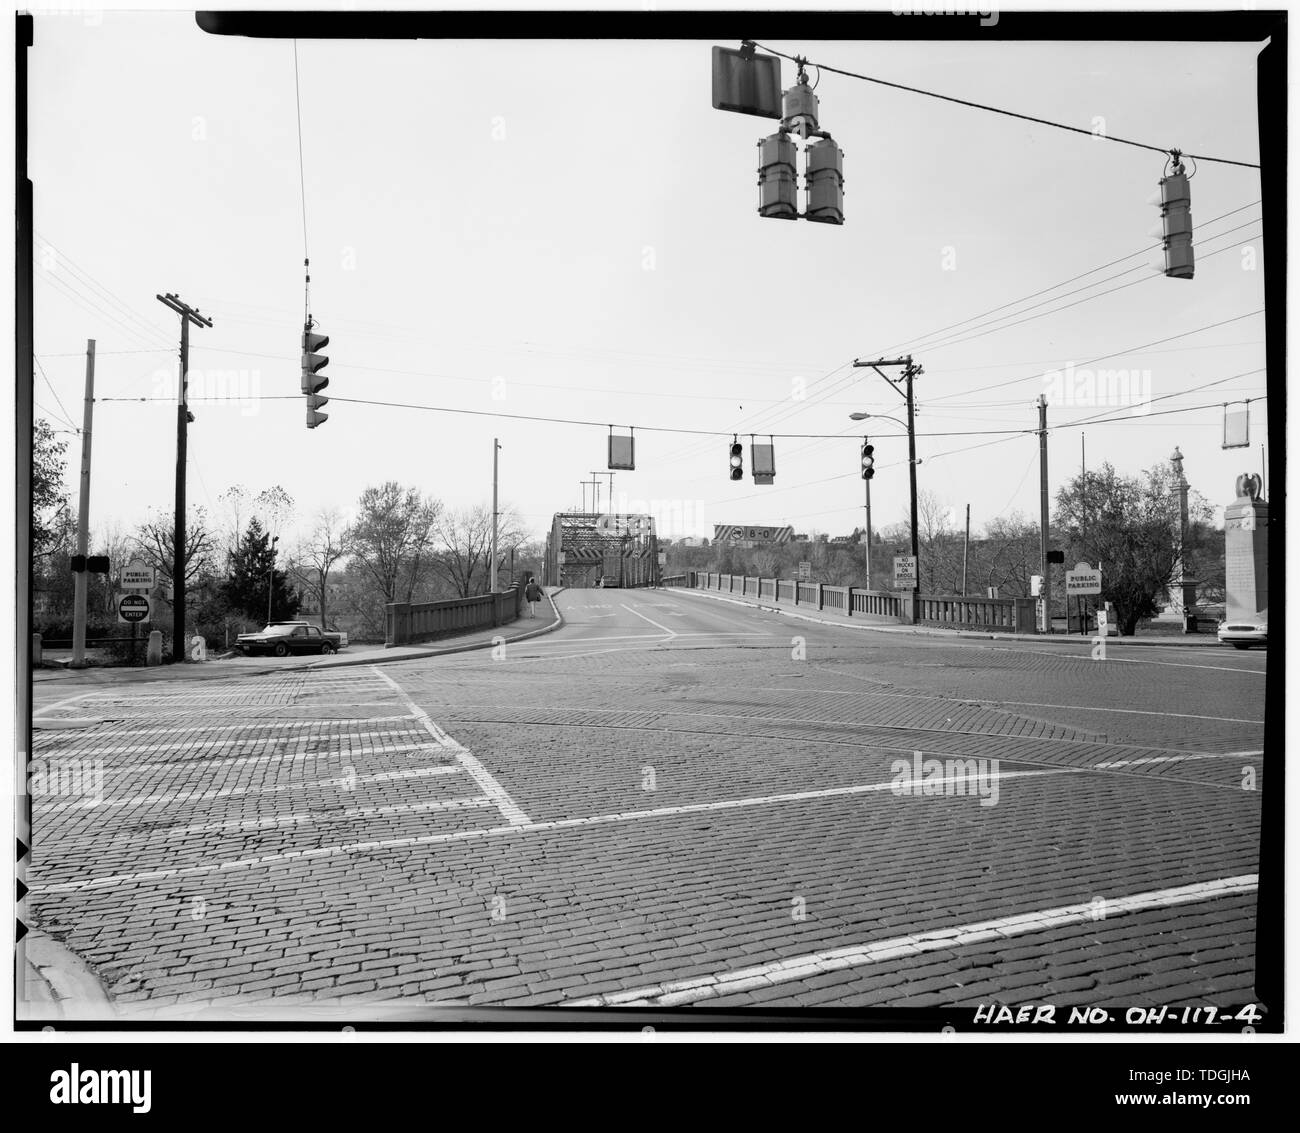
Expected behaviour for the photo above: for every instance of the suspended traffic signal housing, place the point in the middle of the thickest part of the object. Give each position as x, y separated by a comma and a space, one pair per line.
868, 460
737, 461
777, 178
824, 179
312, 380
1175, 201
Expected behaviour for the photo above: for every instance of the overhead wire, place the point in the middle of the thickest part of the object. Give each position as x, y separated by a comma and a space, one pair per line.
999, 110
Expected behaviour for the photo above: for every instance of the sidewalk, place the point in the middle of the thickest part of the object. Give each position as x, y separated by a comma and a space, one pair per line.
865, 622
522, 629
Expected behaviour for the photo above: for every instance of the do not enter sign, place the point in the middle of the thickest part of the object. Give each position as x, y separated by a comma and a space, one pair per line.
133, 608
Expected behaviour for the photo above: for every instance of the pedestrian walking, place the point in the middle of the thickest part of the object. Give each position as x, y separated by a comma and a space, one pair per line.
534, 594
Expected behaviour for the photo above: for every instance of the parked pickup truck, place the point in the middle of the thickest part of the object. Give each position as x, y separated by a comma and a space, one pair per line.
283, 638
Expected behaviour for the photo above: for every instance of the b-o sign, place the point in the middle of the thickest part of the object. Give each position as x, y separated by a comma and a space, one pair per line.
1082, 580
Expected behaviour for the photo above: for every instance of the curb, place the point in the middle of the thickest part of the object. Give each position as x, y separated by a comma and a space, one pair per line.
317, 666
59, 984
935, 631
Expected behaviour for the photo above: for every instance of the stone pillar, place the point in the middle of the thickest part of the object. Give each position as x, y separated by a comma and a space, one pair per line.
1245, 523
153, 652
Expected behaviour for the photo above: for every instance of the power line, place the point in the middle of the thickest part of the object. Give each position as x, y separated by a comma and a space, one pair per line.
67, 417
1007, 113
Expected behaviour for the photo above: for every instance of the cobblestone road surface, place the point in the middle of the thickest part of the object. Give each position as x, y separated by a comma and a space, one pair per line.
671, 800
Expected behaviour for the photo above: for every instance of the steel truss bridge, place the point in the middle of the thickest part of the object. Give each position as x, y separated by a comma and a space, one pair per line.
585, 547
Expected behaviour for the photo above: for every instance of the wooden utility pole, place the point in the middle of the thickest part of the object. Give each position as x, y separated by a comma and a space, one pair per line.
188, 315
965, 553
1042, 517
81, 578
496, 447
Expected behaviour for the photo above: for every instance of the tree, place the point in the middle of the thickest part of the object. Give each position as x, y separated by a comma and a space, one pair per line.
156, 540
390, 537
49, 498
253, 578
317, 555
1129, 526
1008, 555
463, 539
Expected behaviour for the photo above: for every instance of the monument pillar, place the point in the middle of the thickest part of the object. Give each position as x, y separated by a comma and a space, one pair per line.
1245, 552
1182, 591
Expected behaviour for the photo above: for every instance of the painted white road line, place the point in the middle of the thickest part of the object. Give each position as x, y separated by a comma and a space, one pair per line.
1004, 928
208, 729
501, 831
490, 787
276, 821
273, 757
1136, 661
671, 633
979, 702
1175, 758
229, 742
54, 804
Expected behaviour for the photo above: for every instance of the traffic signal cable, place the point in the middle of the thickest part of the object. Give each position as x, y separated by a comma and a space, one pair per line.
998, 110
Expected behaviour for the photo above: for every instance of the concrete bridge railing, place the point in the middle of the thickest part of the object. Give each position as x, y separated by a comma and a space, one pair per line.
407, 623
1013, 615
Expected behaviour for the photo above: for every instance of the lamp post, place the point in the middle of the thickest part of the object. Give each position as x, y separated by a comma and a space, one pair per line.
270, 579
867, 483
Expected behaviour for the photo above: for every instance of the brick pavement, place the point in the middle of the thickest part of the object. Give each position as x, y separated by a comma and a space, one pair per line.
307, 835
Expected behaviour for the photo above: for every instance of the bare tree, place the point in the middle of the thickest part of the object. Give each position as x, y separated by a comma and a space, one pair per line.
389, 539
317, 555
155, 538
464, 546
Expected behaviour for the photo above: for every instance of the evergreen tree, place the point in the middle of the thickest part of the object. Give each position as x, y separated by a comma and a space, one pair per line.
252, 570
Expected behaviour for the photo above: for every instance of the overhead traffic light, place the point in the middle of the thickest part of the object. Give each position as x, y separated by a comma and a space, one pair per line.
312, 380
1175, 201
868, 460
737, 461
824, 179
777, 178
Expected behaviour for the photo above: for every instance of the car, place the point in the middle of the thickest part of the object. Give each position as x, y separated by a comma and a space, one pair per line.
342, 642
1245, 632
285, 638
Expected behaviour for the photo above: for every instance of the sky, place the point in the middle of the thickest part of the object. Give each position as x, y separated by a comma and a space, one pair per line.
568, 229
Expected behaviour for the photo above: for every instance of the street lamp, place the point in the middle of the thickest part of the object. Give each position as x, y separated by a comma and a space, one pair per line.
867, 484
270, 579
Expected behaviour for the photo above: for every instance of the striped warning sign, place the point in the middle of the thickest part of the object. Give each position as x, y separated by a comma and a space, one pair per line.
736, 532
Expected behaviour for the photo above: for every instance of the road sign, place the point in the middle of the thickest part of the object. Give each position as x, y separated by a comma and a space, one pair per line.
1082, 580
905, 571
137, 576
805, 570
133, 608
738, 533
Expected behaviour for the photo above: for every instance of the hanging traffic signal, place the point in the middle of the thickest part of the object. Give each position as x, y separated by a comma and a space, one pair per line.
824, 180
1175, 201
868, 460
777, 178
737, 461
312, 380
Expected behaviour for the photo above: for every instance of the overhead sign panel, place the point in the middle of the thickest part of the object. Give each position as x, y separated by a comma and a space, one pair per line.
746, 83
740, 533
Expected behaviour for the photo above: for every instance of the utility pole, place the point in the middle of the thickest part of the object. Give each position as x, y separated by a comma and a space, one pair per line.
1042, 518
270, 580
965, 553
595, 485
188, 315
867, 483
496, 448
81, 578
911, 371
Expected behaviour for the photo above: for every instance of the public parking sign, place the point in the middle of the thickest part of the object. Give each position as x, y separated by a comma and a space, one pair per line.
137, 576
905, 570
1082, 580
133, 608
